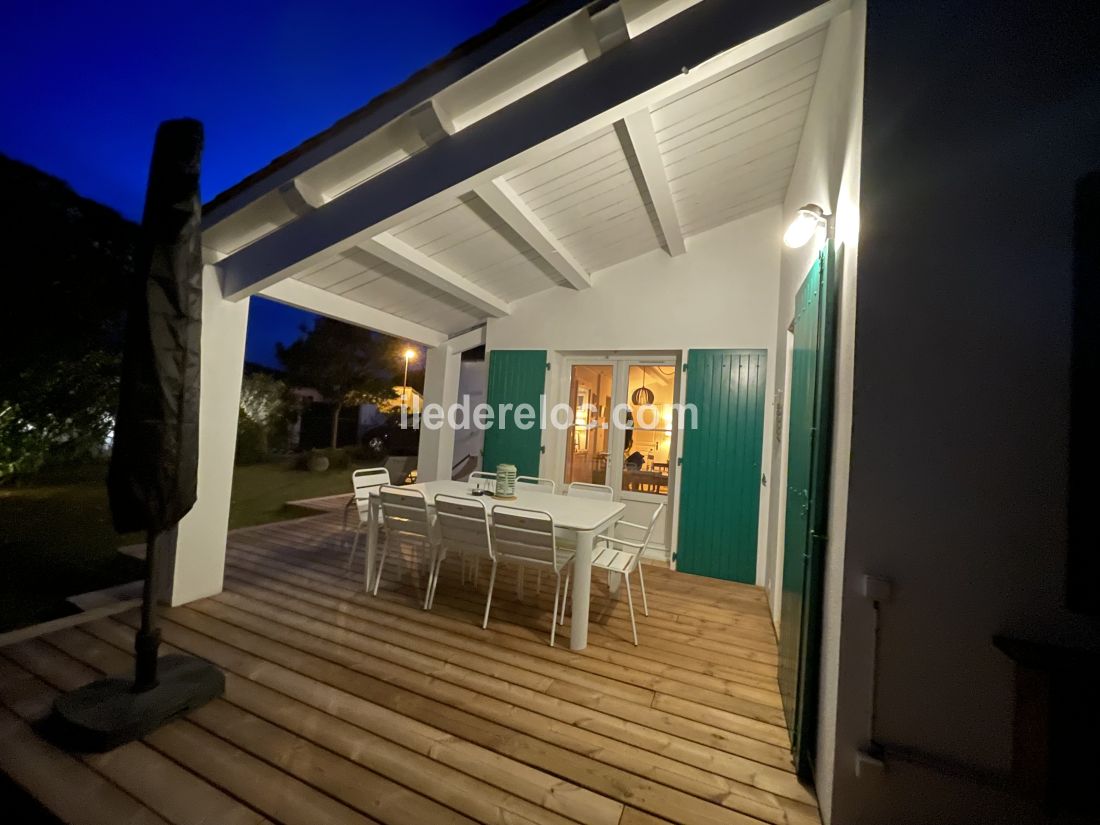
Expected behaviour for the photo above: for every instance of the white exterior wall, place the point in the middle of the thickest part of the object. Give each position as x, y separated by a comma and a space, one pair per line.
721, 294
827, 172
199, 558
473, 378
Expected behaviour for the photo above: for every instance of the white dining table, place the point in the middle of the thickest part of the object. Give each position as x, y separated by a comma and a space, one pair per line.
584, 517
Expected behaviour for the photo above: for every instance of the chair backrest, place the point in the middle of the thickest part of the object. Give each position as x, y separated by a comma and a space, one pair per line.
463, 525
649, 530
525, 535
405, 514
582, 489
481, 480
544, 485
400, 467
364, 482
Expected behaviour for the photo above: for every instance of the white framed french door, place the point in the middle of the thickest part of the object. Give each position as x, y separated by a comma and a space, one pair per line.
624, 434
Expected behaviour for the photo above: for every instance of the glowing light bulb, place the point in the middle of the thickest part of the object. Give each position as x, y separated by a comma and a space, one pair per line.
804, 225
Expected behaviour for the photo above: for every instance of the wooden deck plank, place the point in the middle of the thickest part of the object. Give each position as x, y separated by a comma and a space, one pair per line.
529, 621
735, 726
365, 791
163, 786
610, 617
371, 731
751, 618
462, 713
589, 697
341, 707
537, 701
66, 786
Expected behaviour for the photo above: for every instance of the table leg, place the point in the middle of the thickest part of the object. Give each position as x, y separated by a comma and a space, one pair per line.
372, 542
582, 587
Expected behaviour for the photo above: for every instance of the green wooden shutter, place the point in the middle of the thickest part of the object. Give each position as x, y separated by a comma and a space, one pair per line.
516, 376
808, 455
720, 472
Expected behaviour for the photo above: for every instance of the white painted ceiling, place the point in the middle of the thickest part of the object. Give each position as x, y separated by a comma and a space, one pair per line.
728, 146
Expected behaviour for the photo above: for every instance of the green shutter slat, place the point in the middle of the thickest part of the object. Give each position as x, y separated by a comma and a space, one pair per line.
809, 429
515, 377
720, 475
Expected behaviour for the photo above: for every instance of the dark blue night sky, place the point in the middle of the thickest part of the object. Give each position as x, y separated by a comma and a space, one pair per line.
85, 85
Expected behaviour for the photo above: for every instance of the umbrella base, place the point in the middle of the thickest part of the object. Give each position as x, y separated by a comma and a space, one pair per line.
105, 714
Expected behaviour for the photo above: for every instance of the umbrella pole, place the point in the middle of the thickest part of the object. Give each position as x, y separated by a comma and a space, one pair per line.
147, 639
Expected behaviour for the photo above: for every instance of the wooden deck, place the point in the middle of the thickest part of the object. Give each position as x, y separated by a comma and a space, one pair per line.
343, 708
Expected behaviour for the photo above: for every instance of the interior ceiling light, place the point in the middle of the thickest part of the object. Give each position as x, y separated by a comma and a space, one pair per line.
643, 395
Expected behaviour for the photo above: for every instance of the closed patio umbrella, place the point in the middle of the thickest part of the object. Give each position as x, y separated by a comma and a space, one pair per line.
154, 462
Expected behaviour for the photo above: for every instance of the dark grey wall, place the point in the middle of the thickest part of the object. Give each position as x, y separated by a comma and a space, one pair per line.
979, 117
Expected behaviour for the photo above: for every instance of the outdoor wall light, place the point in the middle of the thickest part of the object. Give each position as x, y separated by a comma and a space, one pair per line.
804, 225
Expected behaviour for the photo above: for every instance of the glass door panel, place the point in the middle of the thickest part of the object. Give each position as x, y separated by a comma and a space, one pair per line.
650, 393
586, 444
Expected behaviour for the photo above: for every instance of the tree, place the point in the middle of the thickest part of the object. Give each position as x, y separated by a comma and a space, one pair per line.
342, 362
267, 407
68, 259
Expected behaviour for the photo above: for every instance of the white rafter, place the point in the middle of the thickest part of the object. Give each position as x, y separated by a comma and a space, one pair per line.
700, 42
638, 129
295, 293
396, 252
499, 196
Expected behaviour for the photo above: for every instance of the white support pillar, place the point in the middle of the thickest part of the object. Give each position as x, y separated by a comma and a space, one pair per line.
437, 447
441, 374
199, 557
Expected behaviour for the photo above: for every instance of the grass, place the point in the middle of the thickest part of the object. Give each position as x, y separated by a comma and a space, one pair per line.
260, 491
57, 540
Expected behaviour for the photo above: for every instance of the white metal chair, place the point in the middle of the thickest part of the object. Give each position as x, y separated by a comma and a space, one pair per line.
407, 521
544, 485
363, 483
481, 480
583, 489
464, 530
526, 537
623, 556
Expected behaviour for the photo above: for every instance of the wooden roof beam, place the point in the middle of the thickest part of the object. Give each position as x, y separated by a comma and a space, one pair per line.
708, 38
499, 196
636, 132
396, 252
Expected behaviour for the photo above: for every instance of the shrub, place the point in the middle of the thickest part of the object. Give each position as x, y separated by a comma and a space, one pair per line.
251, 441
338, 458
364, 453
23, 449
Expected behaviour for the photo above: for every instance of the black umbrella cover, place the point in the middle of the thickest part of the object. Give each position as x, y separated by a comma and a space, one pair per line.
154, 462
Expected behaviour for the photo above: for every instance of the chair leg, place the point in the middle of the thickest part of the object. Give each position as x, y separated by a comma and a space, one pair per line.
630, 601
554, 618
489, 598
435, 583
431, 580
641, 581
347, 509
354, 546
565, 598
381, 565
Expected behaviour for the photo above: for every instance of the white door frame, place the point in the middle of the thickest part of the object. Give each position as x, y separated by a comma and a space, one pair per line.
620, 363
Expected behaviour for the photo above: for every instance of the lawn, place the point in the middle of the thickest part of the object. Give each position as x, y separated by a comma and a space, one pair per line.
57, 540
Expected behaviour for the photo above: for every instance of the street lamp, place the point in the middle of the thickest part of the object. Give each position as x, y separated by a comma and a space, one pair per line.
410, 354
